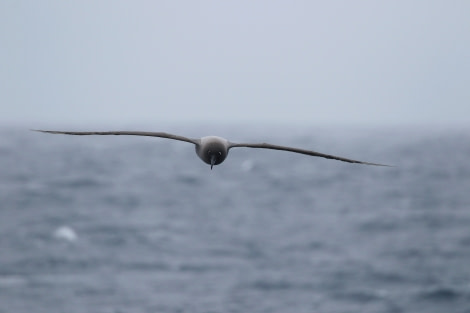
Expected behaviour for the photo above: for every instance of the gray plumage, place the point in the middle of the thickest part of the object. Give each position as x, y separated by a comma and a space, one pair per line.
212, 150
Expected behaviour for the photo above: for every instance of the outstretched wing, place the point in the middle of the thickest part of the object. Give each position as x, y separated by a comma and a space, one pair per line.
302, 151
129, 133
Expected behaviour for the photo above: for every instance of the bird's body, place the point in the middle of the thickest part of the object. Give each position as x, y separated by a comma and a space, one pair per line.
213, 150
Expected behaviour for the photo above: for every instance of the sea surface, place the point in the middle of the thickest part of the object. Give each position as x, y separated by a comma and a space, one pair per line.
135, 224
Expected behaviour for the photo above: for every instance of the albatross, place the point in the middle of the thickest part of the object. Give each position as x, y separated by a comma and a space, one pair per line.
213, 150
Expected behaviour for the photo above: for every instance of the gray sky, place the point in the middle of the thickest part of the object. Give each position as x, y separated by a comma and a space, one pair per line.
311, 62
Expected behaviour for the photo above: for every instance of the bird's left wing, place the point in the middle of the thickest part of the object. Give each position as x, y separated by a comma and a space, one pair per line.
129, 133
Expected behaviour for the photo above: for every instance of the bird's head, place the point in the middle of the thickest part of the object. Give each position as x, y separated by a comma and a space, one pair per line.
212, 150
216, 157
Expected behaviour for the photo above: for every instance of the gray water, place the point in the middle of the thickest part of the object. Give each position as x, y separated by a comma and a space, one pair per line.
132, 224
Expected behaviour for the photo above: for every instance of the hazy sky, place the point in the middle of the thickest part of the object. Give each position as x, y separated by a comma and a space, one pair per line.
311, 62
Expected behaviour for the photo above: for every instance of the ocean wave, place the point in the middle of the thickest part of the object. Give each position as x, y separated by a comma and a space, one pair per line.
443, 293
76, 182
11, 280
281, 284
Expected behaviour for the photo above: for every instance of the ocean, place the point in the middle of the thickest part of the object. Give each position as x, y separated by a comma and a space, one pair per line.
134, 224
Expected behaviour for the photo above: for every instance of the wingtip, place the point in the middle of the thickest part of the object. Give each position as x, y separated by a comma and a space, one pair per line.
40, 130
384, 165
47, 131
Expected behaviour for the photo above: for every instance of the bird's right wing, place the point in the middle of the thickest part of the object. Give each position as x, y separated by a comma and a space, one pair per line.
129, 133
301, 151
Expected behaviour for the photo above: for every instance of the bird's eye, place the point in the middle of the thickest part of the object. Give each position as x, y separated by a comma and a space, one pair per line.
220, 153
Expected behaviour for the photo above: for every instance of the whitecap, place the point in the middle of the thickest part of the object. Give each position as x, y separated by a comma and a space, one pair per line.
65, 233
247, 165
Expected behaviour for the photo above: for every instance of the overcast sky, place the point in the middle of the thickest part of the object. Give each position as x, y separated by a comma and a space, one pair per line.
311, 62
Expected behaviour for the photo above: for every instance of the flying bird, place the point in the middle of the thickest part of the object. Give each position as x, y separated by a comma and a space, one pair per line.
211, 149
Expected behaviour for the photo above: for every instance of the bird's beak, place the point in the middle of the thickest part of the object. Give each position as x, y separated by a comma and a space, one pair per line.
213, 159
